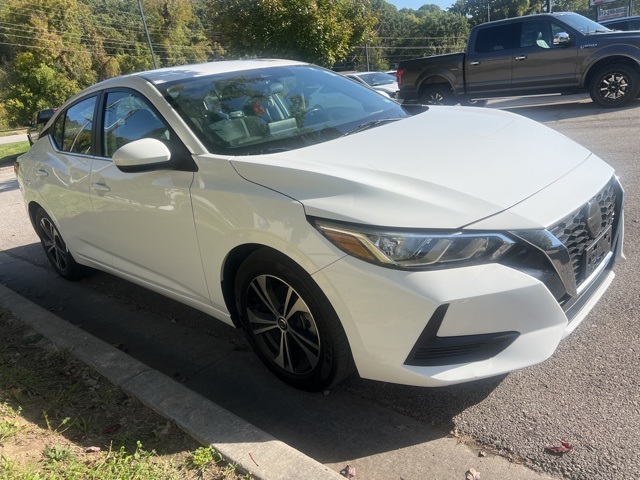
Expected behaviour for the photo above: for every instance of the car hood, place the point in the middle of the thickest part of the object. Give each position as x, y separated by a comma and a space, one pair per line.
445, 168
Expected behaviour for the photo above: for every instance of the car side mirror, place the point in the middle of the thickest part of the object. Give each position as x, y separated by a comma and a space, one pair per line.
562, 38
142, 155
45, 115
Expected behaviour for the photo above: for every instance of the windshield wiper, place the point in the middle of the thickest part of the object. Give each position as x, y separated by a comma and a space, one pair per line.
267, 150
373, 123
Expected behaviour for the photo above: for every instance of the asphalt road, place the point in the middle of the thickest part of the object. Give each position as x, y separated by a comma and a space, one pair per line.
586, 394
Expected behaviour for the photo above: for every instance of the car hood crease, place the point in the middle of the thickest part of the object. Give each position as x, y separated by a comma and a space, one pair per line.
440, 169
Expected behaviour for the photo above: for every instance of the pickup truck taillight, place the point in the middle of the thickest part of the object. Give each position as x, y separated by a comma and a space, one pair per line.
399, 74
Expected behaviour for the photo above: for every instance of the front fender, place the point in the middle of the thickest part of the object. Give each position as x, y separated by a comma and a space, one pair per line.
595, 59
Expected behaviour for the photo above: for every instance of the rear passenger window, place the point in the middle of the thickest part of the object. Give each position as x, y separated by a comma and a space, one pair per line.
495, 39
72, 130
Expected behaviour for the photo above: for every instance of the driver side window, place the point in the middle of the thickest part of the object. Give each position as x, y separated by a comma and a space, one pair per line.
536, 34
127, 117
560, 35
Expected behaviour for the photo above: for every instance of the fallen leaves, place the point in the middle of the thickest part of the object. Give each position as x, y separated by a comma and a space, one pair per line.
472, 474
348, 472
561, 449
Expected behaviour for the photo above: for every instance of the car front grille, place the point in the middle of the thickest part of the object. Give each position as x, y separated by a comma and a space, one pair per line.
574, 232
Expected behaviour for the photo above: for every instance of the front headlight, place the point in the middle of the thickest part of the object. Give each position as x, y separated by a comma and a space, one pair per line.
416, 249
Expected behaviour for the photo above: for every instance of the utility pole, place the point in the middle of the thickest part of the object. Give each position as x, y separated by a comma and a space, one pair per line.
146, 30
366, 51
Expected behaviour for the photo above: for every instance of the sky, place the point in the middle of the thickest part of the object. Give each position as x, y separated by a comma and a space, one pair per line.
416, 4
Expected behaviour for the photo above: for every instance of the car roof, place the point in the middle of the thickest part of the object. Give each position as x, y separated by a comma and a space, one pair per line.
621, 19
527, 17
170, 74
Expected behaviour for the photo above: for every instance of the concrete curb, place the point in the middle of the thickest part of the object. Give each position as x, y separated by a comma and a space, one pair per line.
239, 442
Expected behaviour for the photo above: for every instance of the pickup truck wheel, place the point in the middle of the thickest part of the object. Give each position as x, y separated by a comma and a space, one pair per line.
614, 86
437, 95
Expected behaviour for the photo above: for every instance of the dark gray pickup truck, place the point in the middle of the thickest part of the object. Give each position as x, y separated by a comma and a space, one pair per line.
532, 55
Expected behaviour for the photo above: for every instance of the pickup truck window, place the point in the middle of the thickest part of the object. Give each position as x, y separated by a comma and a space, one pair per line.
535, 34
582, 24
496, 38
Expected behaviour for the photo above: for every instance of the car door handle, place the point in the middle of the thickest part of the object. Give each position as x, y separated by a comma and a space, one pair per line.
474, 63
521, 57
41, 173
100, 187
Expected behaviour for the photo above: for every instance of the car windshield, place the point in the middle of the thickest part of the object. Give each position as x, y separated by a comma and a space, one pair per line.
276, 108
377, 78
583, 24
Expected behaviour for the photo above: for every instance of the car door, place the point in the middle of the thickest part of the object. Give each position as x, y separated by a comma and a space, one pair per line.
540, 64
61, 176
489, 60
146, 218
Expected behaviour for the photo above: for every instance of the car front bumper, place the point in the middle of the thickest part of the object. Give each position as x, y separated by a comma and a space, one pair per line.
439, 327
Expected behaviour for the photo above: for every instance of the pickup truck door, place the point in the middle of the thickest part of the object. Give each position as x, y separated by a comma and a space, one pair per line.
541, 65
489, 60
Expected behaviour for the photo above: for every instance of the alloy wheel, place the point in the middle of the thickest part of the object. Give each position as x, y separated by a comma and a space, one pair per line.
54, 246
614, 86
283, 325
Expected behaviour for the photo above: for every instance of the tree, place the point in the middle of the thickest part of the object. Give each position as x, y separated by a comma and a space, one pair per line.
317, 31
52, 54
178, 36
478, 11
408, 33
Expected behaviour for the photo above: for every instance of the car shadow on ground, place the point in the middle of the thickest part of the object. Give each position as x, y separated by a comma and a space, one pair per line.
356, 419
555, 108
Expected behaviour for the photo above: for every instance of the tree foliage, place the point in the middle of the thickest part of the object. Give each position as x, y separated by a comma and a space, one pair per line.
317, 31
480, 11
49, 61
51, 49
408, 33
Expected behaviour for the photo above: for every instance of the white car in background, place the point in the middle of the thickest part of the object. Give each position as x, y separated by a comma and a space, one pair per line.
381, 81
336, 230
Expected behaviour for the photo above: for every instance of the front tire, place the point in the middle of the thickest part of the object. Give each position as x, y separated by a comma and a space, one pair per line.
55, 248
614, 86
290, 323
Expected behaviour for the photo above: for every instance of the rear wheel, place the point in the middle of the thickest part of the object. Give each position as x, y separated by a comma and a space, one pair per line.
614, 85
55, 248
290, 323
438, 94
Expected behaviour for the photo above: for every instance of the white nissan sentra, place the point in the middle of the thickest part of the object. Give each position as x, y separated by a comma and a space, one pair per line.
336, 230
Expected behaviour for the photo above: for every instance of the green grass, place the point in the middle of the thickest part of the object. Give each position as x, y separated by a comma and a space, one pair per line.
9, 152
60, 420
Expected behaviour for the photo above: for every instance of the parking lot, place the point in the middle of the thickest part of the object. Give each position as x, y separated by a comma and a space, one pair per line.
586, 394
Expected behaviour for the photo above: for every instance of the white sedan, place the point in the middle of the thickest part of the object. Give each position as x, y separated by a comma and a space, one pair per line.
336, 230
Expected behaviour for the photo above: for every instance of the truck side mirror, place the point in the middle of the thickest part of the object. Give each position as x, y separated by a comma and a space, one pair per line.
562, 38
